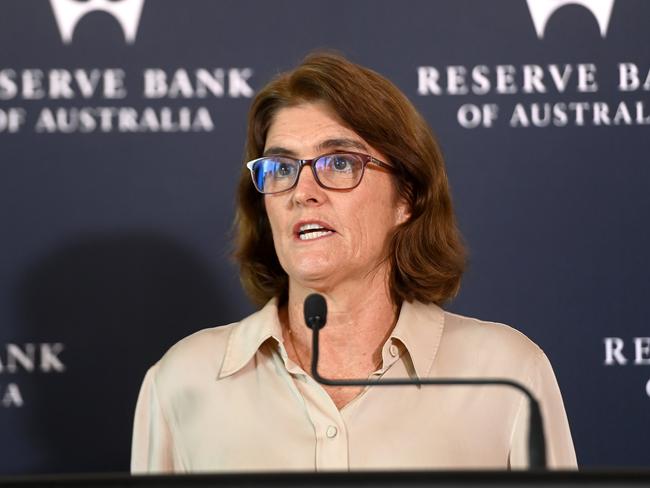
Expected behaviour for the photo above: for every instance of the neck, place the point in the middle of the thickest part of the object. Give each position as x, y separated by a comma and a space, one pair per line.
360, 318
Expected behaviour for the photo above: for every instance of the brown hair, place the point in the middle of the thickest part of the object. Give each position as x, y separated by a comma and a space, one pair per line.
426, 253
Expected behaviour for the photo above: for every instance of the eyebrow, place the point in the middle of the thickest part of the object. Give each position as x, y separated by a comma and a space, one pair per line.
326, 145
342, 143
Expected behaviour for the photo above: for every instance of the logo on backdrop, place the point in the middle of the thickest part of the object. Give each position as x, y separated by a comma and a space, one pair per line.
29, 358
155, 108
68, 13
638, 355
542, 10
569, 91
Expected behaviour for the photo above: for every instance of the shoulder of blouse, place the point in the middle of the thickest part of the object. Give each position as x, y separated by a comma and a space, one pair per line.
500, 333
484, 342
197, 357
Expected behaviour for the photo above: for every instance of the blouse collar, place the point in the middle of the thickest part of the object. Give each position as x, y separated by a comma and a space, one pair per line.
419, 328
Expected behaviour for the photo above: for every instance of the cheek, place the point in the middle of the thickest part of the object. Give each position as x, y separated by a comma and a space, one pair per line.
272, 213
373, 213
274, 217
372, 231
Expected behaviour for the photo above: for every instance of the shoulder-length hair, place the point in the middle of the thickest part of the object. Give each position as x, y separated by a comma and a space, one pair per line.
427, 257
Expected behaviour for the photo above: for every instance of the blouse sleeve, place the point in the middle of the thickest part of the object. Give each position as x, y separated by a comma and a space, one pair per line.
152, 447
560, 453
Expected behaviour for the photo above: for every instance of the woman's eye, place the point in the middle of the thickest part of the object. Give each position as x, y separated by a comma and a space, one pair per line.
341, 164
284, 169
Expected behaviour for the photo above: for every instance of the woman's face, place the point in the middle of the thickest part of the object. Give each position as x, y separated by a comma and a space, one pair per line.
358, 222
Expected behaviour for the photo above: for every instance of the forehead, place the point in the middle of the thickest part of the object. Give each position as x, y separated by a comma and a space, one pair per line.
310, 128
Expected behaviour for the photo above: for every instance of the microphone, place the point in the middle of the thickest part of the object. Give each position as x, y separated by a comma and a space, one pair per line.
315, 312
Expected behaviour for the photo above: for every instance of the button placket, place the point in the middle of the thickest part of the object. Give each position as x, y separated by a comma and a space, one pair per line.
329, 427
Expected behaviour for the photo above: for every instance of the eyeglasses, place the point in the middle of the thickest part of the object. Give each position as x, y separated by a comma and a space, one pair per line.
337, 171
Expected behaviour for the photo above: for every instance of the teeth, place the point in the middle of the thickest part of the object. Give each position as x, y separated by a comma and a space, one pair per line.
314, 235
306, 227
312, 231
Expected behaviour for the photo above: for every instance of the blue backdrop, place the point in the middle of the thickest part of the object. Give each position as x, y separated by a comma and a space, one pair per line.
121, 134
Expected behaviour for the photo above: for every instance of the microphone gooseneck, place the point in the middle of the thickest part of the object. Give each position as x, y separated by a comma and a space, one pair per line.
315, 311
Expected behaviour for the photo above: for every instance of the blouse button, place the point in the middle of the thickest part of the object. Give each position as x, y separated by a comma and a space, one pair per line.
332, 431
393, 350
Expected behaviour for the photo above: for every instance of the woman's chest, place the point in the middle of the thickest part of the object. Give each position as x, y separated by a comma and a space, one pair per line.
266, 422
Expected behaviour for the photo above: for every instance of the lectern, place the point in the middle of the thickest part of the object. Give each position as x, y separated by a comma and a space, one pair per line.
406, 479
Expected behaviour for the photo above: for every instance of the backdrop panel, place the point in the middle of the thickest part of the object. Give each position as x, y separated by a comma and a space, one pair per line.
121, 133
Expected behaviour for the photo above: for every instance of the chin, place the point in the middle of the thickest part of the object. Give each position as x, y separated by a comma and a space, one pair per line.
313, 276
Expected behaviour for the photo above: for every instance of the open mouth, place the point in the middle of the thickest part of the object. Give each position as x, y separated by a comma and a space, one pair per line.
313, 231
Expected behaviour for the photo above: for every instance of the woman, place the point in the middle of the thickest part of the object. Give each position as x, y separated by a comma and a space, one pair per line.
369, 225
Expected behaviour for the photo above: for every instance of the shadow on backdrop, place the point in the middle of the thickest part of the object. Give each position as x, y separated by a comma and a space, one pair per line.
116, 302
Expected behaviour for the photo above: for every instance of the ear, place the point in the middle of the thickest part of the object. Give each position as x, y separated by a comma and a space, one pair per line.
403, 212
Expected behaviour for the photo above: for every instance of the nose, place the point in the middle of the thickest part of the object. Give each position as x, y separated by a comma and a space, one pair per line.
307, 190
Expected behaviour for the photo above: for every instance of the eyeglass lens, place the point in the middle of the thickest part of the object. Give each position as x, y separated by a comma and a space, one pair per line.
335, 171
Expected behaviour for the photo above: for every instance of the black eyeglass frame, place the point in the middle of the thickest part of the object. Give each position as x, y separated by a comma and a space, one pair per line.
365, 158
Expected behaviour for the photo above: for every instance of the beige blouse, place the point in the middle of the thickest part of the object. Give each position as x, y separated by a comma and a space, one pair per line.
229, 399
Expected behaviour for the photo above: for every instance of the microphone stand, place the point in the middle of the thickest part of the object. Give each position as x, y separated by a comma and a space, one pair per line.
536, 441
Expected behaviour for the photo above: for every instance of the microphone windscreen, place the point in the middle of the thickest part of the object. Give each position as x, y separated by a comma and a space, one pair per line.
315, 309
